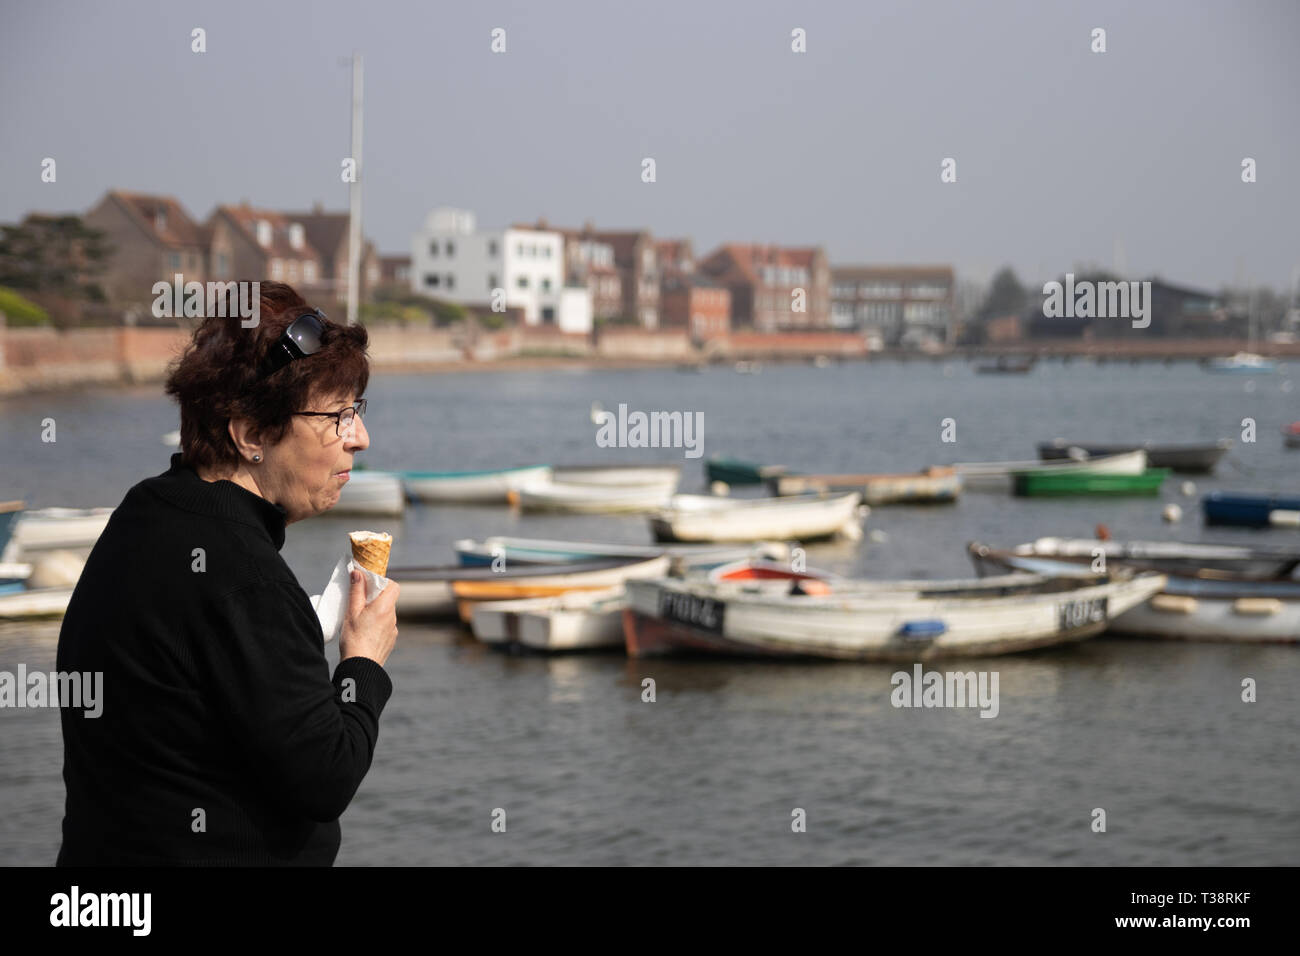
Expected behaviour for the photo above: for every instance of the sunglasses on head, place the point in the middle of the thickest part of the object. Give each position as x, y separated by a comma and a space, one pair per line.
300, 339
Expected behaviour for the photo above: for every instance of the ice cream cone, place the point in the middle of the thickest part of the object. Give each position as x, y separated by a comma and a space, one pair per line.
370, 550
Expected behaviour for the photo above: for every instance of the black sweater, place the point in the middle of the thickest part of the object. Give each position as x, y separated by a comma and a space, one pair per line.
216, 693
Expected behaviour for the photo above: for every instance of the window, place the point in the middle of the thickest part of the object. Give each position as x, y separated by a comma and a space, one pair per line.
519, 250
174, 262
277, 269
451, 282
221, 264
546, 252
522, 282
492, 283
548, 314
293, 270
492, 248
433, 249
431, 280
309, 272
451, 248
546, 285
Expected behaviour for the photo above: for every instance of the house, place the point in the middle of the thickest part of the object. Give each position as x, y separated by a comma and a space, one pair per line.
772, 288
247, 243
152, 238
697, 303
454, 260
629, 267
328, 234
894, 302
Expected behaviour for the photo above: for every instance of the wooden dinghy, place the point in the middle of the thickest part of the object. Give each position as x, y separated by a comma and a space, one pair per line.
710, 518
473, 487
508, 585
427, 590
879, 621
934, 485
664, 476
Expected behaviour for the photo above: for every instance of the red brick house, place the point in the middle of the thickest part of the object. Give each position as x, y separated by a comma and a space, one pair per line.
248, 243
327, 234
698, 304
763, 281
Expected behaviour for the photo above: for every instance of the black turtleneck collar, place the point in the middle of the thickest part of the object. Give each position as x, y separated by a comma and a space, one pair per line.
181, 485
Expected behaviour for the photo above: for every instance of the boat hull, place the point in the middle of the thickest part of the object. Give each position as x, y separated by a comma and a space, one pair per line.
371, 493
472, 487
1185, 459
1249, 511
932, 486
1064, 484
755, 520
666, 616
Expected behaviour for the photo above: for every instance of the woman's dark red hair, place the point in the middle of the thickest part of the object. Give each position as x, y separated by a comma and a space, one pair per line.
216, 378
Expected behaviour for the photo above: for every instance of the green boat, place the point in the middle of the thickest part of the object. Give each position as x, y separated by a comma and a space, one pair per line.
1037, 484
734, 471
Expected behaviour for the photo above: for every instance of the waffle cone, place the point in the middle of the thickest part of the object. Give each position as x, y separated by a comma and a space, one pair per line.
370, 550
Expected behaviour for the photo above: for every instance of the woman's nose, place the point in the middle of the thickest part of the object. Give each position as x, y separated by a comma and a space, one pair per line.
358, 438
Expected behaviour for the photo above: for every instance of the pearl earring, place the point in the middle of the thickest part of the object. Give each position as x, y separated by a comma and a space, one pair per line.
257, 458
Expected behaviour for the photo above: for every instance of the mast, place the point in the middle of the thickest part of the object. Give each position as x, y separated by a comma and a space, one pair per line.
354, 197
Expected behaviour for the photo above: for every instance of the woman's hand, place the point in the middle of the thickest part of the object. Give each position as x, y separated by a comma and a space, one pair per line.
369, 630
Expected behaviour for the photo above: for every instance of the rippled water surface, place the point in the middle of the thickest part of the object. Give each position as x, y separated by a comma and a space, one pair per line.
1156, 734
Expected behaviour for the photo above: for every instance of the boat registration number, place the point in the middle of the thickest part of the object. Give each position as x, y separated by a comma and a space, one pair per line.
1075, 614
692, 609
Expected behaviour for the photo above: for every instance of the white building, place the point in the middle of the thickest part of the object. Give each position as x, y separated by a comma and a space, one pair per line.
452, 259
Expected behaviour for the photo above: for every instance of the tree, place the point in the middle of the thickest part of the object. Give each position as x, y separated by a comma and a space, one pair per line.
1006, 296
53, 256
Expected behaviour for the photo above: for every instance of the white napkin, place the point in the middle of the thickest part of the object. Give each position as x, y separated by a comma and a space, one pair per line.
332, 604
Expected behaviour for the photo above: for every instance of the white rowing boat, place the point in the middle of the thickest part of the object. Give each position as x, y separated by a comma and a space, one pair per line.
49, 529
572, 621
36, 603
591, 498
942, 619
999, 475
711, 518
666, 476
371, 493
472, 486
547, 551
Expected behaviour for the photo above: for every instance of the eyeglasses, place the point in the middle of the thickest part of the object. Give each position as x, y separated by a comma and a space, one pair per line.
300, 339
343, 420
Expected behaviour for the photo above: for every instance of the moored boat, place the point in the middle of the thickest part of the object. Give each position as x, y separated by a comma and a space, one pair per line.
1196, 603
999, 475
1250, 511
934, 485
641, 476
576, 620
35, 603
1069, 482
1243, 363
1291, 435
510, 585
1007, 365
1191, 459
547, 551
371, 493
734, 471
49, 529
917, 622
711, 518
1185, 559
472, 486
596, 498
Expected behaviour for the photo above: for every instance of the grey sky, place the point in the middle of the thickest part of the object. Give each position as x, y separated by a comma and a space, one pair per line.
1059, 151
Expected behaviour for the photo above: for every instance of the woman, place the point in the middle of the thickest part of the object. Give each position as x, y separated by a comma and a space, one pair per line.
223, 739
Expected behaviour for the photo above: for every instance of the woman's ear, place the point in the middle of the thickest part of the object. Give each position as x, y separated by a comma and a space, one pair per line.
246, 437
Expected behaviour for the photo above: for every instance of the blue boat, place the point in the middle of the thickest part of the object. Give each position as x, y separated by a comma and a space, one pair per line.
1250, 511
